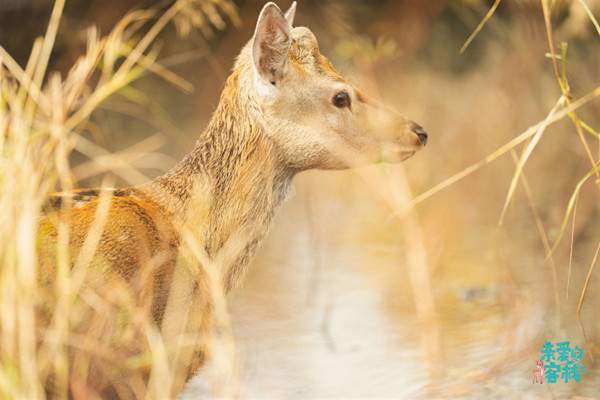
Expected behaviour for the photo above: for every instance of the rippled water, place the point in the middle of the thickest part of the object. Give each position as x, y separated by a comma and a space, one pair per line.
327, 311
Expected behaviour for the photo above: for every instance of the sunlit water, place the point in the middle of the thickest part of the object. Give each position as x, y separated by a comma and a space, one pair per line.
327, 312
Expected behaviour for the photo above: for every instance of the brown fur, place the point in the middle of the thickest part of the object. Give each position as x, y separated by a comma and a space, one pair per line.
229, 185
225, 191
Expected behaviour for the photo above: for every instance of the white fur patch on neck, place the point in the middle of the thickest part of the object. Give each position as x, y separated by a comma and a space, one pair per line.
265, 90
290, 191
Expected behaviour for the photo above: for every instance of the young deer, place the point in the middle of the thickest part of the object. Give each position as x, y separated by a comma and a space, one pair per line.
284, 109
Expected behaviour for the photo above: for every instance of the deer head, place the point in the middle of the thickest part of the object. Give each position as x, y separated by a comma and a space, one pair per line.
317, 118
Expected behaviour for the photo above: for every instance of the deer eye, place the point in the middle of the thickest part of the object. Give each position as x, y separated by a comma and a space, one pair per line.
342, 100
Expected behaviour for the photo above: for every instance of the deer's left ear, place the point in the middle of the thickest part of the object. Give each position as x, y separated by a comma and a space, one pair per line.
290, 14
271, 44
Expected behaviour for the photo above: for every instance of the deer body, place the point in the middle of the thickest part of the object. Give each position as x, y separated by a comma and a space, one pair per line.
284, 109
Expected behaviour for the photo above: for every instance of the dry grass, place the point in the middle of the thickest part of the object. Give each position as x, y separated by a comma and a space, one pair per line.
582, 128
44, 118
565, 106
516, 340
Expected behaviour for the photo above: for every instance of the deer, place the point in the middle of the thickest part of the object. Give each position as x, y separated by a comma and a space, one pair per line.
284, 109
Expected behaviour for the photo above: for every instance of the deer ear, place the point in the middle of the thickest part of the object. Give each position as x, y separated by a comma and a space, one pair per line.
290, 14
271, 44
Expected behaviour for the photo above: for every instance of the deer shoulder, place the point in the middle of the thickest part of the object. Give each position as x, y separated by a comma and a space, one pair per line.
132, 231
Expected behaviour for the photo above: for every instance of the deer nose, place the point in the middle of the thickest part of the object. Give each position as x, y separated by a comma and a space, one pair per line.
421, 134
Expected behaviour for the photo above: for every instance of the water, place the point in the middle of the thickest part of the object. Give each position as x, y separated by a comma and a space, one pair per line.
327, 311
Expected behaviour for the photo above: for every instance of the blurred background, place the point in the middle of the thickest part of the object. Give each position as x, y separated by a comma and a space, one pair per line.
347, 297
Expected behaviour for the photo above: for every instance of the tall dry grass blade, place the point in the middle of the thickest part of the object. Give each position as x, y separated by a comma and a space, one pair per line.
584, 290
30, 387
26, 82
92, 238
394, 190
525, 156
158, 388
29, 68
21, 205
163, 72
120, 167
590, 130
53, 351
485, 19
564, 84
505, 148
316, 250
99, 95
571, 205
36, 141
121, 163
549, 37
543, 236
590, 15
223, 359
419, 273
126, 72
48, 44
142, 46
570, 267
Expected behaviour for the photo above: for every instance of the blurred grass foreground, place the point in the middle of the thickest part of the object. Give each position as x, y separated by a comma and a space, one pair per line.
393, 282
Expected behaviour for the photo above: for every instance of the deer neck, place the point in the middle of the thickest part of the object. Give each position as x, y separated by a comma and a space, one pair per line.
226, 191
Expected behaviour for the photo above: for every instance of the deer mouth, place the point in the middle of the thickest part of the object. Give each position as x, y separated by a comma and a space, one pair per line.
408, 154
405, 155
397, 154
